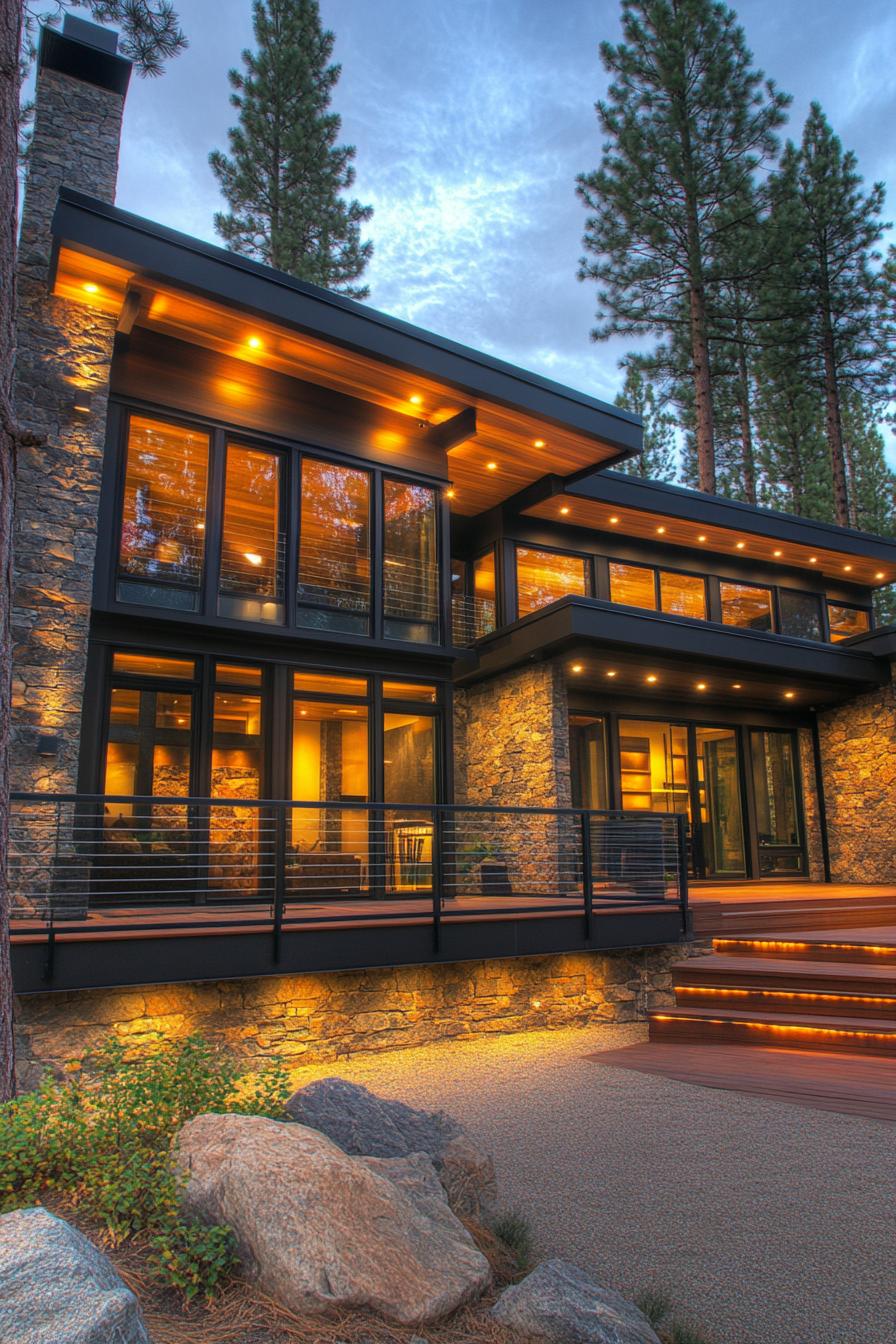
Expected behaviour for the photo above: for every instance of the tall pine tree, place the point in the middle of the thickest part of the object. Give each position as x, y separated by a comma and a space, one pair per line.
687, 123
286, 176
824, 230
656, 461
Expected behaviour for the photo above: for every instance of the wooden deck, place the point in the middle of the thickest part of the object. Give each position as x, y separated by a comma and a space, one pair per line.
720, 908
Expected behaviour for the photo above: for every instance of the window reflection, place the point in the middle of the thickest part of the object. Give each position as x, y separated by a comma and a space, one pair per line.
777, 809
847, 621
632, 585
543, 577
163, 517
251, 583
800, 614
147, 755
334, 548
683, 594
234, 831
745, 606
410, 563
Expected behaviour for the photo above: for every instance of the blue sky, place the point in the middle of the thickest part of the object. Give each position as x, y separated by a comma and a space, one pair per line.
471, 120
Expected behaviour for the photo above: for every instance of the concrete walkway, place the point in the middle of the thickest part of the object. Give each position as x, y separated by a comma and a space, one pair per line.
766, 1223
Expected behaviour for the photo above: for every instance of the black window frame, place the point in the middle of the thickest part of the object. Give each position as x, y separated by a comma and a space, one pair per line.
847, 606
587, 558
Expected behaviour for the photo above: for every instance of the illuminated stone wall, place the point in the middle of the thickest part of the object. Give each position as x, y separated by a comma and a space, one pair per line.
305, 1019
858, 751
62, 346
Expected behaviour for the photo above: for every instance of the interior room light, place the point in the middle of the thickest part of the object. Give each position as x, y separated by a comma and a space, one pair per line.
651, 678
492, 466
565, 509
253, 557
91, 288
538, 443
577, 667
254, 342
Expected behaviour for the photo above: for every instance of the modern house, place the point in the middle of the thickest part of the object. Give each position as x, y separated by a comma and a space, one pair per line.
340, 645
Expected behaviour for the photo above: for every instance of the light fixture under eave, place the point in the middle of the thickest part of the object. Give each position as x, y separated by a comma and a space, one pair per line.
450, 492
741, 545
577, 667
847, 569
416, 399
614, 519
565, 510
651, 678
701, 685
813, 559
736, 685
491, 466
880, 574
538, 443
789, 695
660, 531
777, 554
701, 537
253, 557
611, 673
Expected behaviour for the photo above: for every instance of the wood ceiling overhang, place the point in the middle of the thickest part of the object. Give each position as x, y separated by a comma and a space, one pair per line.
156, 279
628, 507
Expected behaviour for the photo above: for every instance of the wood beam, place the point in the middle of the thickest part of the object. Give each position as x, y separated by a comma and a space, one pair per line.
449, 433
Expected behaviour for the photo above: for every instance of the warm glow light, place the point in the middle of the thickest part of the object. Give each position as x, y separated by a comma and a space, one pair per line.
254, 342
813, 559
536, 1003
253, 557
614, 519
741, 545
450, 492
611, 674
736, 685
778, 553
492, 466
788, 695
416, 399
879, 574
200, 527
91, 288
701, 537
847, 568
785, 945
565, 509
701, 685
538, 443
651, 678
804, 995
661, 530
784, 1029
577, 667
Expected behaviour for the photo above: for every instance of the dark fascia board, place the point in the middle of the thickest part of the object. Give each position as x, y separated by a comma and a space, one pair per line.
577, 620
633, 492
154, 251
92, 62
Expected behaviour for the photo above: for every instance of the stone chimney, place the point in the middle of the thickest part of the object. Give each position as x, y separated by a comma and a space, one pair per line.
62, 347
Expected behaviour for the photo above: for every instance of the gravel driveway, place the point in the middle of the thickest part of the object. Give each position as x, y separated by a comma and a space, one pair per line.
766, 1223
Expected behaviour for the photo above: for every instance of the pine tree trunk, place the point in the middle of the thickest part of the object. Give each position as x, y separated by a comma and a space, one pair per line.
704, 435
832, 418
746, 426
10, 40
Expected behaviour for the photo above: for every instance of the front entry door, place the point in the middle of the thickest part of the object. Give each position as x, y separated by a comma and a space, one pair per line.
719, 804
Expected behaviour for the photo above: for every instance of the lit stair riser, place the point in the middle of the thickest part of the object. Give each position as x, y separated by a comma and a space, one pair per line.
749, 999
832, 949
736, 1030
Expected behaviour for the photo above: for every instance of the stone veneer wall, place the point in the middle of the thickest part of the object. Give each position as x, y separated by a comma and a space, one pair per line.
858, 752
305, 1019
61, 346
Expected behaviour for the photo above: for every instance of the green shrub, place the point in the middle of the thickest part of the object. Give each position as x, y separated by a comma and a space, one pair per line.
514, 1230
655, 1304
106, 1146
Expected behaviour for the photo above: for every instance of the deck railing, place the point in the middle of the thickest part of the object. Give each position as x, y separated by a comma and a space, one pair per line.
129, 863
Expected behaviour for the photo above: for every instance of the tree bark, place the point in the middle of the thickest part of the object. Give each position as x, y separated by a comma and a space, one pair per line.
10, 43
705, 435
834, 426
746, 425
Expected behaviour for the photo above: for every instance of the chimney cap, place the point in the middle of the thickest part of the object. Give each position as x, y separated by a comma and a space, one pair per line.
87, 52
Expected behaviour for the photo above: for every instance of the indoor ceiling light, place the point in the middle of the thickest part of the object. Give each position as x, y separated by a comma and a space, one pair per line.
253, 557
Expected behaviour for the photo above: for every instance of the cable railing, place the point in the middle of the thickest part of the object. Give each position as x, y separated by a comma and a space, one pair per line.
472, 618
119, 864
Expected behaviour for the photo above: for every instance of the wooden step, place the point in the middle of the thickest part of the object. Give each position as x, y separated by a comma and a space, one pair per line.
861, 947
852, 1035
732, 917
835, 977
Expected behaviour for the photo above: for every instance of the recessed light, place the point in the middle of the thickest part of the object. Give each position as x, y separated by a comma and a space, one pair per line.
614, 519
91, 288
701, 537
847, 568
253, 557
880, 574
416, 399
577, 667
813, 559
254, 342
651, 678
778, 554
701, 685
538, 443
741, 545
661, 530
788, 695
200, 527
611, 673
565, 509
450, 492
736, 685
492, 466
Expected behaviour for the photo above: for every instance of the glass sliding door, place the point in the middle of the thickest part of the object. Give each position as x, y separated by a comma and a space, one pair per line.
653, 765
778, 821
721, 805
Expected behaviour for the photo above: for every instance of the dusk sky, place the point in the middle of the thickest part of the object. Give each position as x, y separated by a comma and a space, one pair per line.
471, 120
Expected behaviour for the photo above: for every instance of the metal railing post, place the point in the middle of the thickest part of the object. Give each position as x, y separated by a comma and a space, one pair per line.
681, 820
585, 819
279, 875
438, 834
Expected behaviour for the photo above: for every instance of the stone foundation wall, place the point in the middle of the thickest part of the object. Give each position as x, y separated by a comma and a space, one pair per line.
858, 752
305, 1019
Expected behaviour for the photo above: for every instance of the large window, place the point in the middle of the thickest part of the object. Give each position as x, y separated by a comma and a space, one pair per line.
800, 614
543, 577
334, 548
778, 828
162, 545
683, 594
410, 563
633, 585
746, 606
845, 621
252, 551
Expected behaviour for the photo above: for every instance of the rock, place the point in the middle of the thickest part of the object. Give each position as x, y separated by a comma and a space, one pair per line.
56, 1287
558, 1304
366, 1125
319, 1229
